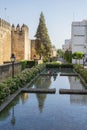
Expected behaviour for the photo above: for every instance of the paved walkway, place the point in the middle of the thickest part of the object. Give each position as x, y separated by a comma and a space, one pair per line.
61, 59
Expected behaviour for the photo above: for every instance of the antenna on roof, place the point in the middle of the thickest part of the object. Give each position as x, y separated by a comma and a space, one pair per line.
5, 12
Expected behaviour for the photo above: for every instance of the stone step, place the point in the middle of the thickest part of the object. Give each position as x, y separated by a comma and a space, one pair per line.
46, 74
72, 91
38, 90
68, 74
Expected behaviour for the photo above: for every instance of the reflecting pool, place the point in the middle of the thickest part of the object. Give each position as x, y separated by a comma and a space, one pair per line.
31, 111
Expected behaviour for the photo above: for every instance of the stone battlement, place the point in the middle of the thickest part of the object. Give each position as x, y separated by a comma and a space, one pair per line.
5, 24
17, 28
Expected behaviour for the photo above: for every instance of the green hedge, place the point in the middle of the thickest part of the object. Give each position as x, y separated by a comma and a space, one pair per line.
83, 72
30, 64
57, 65
10, 86
23, 64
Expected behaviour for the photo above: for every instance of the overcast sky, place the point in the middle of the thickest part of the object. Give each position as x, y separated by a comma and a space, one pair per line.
59, 15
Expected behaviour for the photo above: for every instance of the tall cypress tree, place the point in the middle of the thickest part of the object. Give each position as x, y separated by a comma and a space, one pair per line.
42, 35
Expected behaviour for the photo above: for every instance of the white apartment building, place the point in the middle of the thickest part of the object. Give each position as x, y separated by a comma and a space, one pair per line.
79, 38
67, 46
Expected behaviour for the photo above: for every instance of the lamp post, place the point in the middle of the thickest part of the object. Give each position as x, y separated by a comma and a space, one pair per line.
12, 60
34, 59
13, 120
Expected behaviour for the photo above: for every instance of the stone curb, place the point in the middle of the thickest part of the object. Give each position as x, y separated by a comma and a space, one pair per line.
10, 98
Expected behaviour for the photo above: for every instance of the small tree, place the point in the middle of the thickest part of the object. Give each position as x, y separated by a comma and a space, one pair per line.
68, 56
77, 56
42, 35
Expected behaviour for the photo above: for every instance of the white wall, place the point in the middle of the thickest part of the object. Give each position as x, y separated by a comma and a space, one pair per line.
79, 37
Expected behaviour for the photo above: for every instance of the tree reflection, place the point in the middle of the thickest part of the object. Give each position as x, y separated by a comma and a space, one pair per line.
5, 114
41, 100
42, 82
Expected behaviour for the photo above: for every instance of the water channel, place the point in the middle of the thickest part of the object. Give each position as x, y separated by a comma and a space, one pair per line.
31, 111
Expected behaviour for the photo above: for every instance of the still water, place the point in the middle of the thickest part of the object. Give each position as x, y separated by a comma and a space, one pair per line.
47, 111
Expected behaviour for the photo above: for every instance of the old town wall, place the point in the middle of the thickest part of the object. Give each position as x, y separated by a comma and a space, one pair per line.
20, 42
5, 41
6, 70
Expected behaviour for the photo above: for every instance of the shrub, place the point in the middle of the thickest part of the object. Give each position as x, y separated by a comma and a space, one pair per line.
30, 64
12, 85
23, 64
58, 64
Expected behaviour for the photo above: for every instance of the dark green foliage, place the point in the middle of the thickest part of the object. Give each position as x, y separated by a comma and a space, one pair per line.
57, 65
83, 72
43, 37
27, 64
4, 91
77, 56
68, 56
10, 86
23, 64
30, 64
59, 53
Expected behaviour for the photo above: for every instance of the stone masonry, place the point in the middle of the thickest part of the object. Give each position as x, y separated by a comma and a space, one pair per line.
5, 41
14, 40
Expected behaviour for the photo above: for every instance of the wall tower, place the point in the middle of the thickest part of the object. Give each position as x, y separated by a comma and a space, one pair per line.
5, 41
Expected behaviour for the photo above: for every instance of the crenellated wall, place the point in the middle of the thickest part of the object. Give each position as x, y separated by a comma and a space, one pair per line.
15, 39
5, 41
20, 42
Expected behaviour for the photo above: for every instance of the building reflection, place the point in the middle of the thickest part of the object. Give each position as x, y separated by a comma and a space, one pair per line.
24, 97
75, 83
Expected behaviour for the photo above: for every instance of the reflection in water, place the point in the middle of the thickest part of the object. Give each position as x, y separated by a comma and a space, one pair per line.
76, 84
13, 119
41, 100
6, 112
78, 99
24, 97
5, 115
42, 82
58, 114
54, 77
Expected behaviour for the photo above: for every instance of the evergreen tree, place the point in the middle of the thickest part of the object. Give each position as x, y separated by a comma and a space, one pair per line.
43, 37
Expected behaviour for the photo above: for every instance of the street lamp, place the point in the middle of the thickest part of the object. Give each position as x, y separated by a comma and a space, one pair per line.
13, 120
34, 59
12, 60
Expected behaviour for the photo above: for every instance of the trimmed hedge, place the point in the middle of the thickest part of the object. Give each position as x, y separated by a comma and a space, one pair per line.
83, 72
23, 64
58, 65
10, 86
30, 64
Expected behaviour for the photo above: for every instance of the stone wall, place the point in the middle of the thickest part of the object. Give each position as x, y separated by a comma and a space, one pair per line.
33, 49
20, 42
6, 70
5, 41
33, 52
15, 40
